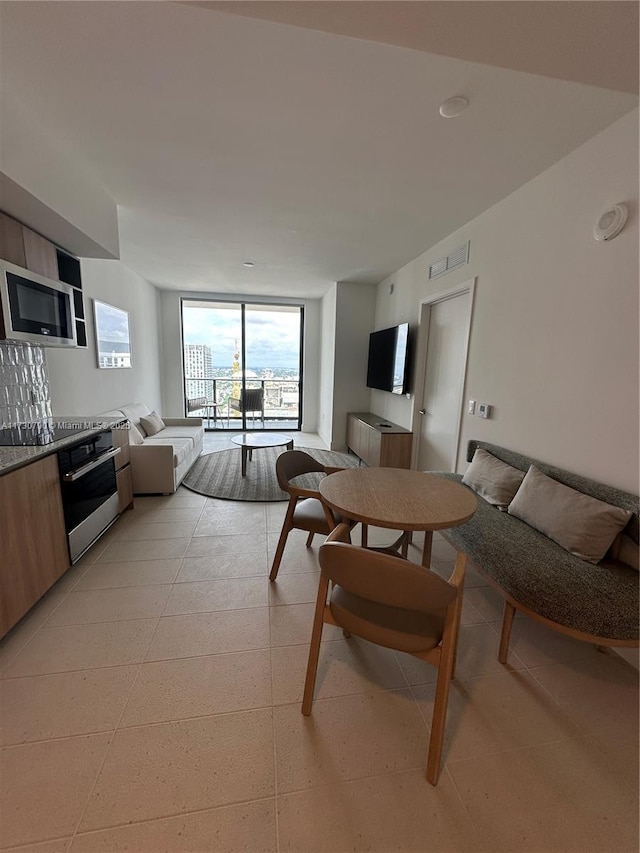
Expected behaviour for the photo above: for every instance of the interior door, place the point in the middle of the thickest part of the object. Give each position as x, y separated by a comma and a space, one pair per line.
448, 329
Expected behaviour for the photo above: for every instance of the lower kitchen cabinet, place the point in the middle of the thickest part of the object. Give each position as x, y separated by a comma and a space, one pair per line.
123, 472
33, 542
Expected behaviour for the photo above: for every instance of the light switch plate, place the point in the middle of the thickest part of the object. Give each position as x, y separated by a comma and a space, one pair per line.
471, 407
484, 410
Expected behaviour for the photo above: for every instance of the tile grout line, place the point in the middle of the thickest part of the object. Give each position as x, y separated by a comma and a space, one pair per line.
113, 735
273, 715
171, 816
114, 732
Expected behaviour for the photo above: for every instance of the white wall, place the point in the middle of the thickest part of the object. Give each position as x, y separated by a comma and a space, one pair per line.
327, 364
554, 338
78, 387
355, 311
171, 364
46, 189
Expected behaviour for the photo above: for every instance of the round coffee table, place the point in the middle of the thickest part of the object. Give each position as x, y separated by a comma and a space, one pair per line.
250, 441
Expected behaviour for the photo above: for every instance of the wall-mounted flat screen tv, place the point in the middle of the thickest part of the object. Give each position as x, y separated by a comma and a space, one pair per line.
388, 367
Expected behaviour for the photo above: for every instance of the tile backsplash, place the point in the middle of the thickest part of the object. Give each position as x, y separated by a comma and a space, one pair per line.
25, 396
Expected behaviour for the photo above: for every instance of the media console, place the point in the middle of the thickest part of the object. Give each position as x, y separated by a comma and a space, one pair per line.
379, 443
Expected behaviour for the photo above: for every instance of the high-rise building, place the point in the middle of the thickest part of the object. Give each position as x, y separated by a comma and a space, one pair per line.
198, 371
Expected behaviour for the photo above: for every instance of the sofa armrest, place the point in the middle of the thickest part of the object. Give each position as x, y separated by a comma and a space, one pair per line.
152, 468
195, 422
159, 454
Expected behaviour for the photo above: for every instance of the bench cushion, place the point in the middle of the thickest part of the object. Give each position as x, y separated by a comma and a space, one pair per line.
534, 571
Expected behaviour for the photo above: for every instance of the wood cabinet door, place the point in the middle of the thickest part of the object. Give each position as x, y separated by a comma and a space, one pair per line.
32, 533
40, 254
396, 450
374, 447
125, 488
11, 241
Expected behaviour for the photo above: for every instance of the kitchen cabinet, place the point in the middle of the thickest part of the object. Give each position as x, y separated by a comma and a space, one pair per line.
32, 537
11, 241
40, 254
27, 249
123, 473
378, 442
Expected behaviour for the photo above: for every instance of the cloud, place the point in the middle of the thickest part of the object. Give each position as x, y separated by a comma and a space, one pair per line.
273, 338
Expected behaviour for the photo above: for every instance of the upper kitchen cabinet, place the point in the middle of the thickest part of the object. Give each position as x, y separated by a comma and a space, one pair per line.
11, 241
40, 254
27, 249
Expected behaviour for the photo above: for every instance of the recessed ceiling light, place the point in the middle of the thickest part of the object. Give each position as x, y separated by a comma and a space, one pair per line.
453, 107
247, 264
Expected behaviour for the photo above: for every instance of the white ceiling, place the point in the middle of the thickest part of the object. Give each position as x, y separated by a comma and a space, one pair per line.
320, 157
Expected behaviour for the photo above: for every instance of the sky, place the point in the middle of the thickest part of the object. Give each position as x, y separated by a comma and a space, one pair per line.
112, 324
273, 337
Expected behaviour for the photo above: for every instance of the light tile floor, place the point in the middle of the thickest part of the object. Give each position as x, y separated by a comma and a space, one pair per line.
151, 702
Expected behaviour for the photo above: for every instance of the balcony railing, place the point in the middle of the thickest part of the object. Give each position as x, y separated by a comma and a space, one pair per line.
281, 400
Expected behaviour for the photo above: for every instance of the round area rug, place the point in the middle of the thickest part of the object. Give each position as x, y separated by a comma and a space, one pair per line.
219, 474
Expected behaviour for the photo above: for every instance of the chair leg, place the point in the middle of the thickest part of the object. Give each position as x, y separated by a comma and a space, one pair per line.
310, 539
282, 541
346, 634
439, 719
314, 650
364, 534
404, 550
505, 636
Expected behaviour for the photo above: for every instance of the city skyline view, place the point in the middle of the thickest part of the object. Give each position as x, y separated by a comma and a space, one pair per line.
272, 335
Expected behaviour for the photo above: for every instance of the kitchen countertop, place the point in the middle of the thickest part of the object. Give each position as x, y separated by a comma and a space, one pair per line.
12, 458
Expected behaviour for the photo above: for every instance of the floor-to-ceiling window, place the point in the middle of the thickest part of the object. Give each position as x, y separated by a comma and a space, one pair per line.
242, 364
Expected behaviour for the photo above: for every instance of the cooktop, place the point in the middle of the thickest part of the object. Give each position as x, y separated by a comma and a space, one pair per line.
38, 433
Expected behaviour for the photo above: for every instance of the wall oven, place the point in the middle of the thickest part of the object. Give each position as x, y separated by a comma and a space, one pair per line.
89, 490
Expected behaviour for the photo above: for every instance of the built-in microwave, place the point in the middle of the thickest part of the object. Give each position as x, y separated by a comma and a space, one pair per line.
35, 309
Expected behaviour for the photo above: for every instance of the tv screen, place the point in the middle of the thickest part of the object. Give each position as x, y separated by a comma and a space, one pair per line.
389, 359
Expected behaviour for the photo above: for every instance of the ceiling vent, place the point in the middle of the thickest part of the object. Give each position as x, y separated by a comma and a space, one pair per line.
458, 258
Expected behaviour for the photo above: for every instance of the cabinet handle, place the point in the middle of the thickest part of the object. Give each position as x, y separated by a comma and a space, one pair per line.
72, 476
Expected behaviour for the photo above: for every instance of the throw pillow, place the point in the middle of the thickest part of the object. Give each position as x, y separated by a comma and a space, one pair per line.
582, 525
492, 479
152, 423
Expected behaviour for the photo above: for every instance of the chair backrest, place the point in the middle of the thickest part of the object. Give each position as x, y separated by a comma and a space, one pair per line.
196, 403
291, 464
385, 579
251, 399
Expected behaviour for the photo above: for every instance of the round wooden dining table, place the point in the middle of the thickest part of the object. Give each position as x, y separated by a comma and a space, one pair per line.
399, 499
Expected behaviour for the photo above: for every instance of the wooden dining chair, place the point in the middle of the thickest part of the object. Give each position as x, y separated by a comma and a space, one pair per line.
389, 601
306, 510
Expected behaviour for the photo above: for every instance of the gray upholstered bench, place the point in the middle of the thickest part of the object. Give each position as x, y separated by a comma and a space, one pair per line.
595, 603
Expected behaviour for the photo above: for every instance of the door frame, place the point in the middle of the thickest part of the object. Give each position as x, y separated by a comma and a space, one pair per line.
424, 317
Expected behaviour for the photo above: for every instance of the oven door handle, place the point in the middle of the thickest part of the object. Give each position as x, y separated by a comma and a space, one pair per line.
72, 476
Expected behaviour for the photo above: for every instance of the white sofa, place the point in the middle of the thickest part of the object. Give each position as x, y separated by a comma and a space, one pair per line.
158, 462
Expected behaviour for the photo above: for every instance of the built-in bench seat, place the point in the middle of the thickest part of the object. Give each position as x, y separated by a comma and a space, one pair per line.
597, 603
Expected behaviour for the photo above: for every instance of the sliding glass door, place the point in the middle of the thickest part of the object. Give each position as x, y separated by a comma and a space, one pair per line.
242, 364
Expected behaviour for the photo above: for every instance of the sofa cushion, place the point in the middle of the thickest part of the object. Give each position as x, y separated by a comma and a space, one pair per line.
134, 411
182, 447
492, 479
583, 525
189, 432
135, 436
152, 423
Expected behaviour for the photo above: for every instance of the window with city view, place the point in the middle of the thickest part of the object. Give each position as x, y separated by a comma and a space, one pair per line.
242, 364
